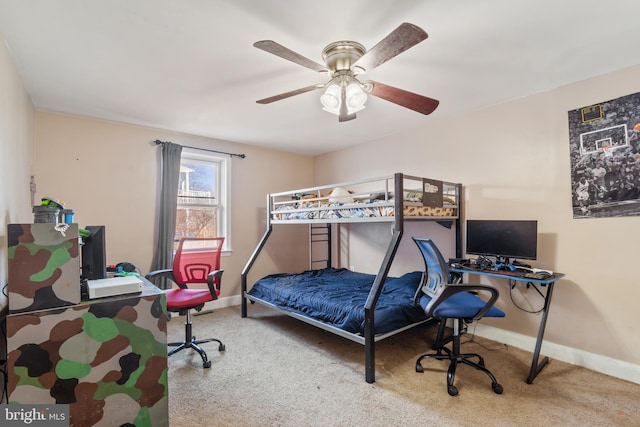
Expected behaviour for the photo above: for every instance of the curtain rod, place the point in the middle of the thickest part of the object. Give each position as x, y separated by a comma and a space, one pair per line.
242, 156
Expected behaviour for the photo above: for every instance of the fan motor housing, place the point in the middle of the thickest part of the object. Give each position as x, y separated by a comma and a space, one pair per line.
341, 55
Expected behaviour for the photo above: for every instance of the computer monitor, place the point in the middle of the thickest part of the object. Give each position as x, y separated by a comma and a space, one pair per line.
94, 255
505, 240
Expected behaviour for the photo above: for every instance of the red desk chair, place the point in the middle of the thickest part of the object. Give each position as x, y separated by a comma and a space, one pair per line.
196, 261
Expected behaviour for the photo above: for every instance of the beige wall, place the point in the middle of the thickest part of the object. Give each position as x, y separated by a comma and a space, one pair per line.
16, 155
108, 174
513, 160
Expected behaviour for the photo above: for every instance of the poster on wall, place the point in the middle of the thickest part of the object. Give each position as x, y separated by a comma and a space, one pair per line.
605, 158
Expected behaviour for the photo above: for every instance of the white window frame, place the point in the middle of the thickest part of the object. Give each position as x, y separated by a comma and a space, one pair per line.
224, 211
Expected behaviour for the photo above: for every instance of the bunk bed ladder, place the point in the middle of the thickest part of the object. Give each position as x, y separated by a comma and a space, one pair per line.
319, 235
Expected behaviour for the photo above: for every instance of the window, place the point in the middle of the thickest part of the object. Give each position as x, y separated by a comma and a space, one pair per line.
203, 208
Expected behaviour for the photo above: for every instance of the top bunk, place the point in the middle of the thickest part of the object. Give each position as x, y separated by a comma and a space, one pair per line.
390, 198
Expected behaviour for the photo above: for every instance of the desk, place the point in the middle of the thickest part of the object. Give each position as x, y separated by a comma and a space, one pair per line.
536, 364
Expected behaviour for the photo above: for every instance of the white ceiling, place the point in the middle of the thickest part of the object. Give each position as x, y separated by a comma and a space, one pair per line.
190, 65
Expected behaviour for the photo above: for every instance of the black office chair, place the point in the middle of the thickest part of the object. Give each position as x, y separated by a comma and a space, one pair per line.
462, 303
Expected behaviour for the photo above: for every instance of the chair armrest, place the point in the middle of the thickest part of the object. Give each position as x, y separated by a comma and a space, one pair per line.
455, 288
214, 285
159, 274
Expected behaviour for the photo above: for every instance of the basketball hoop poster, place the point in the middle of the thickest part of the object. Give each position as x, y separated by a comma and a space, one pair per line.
604, 145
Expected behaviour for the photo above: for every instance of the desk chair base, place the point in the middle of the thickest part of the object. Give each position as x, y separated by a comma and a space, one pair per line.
191, 342
455, 357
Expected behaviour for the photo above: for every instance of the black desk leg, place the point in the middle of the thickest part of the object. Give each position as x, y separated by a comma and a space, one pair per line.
535, 366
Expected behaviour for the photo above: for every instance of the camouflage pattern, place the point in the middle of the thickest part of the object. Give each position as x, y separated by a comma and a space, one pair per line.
44, 267
106, 359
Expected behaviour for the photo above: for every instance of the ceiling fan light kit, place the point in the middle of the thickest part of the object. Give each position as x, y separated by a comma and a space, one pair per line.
355, 97
331, 99
348, 89
344, 60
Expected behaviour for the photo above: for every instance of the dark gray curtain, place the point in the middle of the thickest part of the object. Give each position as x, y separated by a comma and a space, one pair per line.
169, 176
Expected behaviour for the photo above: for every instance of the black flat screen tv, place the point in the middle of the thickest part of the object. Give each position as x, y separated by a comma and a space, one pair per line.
94, 256
504, 239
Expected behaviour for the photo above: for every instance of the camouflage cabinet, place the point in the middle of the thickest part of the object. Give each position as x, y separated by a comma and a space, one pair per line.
44, 266
105, 358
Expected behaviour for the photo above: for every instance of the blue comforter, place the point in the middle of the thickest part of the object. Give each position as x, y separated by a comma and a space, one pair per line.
337, 297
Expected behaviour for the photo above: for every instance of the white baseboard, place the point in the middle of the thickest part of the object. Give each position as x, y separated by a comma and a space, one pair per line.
596, 362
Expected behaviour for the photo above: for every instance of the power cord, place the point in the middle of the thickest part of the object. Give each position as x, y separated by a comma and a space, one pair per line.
512, 285
471, 339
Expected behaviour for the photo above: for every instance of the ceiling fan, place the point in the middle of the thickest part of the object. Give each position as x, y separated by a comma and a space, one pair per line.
344, 61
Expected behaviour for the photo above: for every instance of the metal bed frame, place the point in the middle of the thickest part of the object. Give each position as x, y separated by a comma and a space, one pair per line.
397, 222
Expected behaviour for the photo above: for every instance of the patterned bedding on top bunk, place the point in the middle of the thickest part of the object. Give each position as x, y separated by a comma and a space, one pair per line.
337, 297
357, 207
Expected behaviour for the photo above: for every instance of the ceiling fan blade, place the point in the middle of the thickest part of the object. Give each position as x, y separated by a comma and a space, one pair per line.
419, 103
289, 94
402, 38
286, 53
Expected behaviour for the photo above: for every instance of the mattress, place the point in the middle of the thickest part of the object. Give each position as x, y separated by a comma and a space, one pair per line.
337, 297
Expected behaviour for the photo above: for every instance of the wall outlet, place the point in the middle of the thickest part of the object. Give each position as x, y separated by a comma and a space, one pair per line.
352, 268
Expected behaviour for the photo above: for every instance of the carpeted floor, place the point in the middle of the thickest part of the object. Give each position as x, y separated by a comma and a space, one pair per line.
278, 371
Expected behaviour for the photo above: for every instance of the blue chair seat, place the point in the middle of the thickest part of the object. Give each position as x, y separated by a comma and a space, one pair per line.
463, 305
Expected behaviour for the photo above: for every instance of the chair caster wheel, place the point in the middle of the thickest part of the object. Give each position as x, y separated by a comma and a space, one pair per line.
221, 347
419, 368
452, 390
497, 388
206, 364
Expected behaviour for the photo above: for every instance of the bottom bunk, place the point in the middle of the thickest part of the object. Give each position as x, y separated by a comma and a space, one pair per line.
334, 299
337, 296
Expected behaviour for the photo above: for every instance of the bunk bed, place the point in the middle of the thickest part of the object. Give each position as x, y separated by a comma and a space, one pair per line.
364, 308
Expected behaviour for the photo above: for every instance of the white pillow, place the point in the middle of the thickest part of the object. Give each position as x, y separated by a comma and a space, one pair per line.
340, 195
